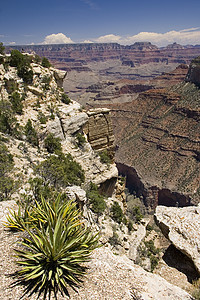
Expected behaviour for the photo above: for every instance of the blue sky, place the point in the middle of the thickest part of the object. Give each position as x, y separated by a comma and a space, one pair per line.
125, 21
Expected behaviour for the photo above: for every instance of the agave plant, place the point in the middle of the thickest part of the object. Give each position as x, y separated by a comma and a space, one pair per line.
54, 253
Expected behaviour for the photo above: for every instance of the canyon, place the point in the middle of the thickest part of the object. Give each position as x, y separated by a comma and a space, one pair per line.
154, 103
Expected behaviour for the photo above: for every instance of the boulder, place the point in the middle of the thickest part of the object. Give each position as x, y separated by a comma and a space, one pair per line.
182, 227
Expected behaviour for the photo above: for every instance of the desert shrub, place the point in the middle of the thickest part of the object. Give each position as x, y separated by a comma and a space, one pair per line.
60, 171
114, 239
65, 99
80, 140
105, 157
6, 166
22, 63
37, 59
51, 109
116, 212
52, 256
31, 134
130, 226
45, 62
26, 74
8, 121
96, 201
136, 213
42, 118
52, 144
11, 85
16, 102
46, 81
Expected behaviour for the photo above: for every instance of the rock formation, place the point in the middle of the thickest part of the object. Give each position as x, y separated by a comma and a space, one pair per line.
76, 56
158, 136
182, 227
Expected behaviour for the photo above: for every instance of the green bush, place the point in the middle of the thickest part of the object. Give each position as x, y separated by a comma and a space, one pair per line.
52, 256
96, 201
60, 171
80, 139
26, 74
46, 81
6, 166
16, 102
52, 144
22, 63
130, 226
45, 62
31, 134
137, 214
42, 118
105, 157
37, 59
116, 212
114, 239
8, 122
65, 99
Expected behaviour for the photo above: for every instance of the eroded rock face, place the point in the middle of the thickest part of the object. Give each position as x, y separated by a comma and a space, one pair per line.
99, 129
182, 227
194, 72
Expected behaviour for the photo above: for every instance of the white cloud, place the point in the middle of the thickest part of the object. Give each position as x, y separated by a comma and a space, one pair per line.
109, 38
183, 37
87, 42
58, 38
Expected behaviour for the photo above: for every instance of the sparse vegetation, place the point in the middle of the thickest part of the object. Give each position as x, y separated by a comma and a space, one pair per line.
46, 82
42, 118
6, 166
105, 157
31, 134
8, 121
80, 140
65, 99
60, 171
16, 102
45, 62
96, 201
52, 144
116, 212
22, 63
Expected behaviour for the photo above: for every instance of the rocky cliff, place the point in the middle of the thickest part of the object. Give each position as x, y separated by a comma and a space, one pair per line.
76, 56
158, 136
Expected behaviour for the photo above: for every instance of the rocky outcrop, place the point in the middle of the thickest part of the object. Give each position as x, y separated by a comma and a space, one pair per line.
194, 72
182, 227
99, 129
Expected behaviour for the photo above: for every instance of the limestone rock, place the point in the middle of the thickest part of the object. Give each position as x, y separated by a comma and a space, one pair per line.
73, 124
99, 129
182, 227
59, 76
35, 91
